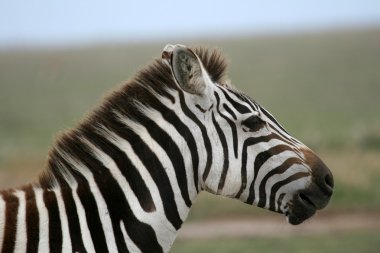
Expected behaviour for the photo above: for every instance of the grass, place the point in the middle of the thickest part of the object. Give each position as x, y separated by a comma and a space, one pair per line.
324, 88
358, 242
46, 92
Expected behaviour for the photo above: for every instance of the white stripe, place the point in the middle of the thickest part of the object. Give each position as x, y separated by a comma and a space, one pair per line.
66, 240
130, 244
2, 220
104, 214
160, 153
255, 149
292, 187
213, 178
43, 244
193, 127
85, 232
181, 143
236, 99
272, 163
21, 238
165, 232
86, 235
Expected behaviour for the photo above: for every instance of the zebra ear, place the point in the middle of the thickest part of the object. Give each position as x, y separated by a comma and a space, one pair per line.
187, 69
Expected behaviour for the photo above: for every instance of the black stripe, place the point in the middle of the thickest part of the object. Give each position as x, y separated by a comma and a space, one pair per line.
247, 143
32, 220
239, 107
153, 165
125, 166
288, 139
173, 152
205, 137
260, 159
12, 204
73, 221
112, 195
71, 211
252, 104
278, 185
272, 119
116, 202
228, 109
89, 204
55, 230
223, 141
183, 130
278, 170
232, 125
241, 96
284, 138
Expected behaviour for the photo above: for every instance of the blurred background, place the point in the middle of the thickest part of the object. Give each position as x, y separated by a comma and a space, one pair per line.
314, 64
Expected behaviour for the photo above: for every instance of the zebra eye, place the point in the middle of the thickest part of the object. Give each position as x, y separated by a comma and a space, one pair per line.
253, 123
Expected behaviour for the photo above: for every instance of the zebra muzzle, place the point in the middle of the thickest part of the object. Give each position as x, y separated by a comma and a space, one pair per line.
318, 193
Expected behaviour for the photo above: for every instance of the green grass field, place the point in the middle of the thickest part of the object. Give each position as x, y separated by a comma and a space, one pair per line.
358, 242
324, 88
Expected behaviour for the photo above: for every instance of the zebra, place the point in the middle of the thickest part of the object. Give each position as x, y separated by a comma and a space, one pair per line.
126, 177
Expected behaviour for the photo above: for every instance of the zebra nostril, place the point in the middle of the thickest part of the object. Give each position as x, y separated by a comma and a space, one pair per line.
322, 176
326, 184
329, 180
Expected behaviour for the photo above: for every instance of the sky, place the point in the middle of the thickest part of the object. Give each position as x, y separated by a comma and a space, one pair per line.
29, 23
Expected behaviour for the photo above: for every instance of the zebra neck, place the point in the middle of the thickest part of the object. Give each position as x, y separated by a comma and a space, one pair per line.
126, 186
36, 219
110, 194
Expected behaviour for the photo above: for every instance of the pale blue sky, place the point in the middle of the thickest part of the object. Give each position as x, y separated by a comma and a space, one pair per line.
69, 22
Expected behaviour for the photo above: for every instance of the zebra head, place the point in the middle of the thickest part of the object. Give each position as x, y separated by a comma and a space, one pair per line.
250, 156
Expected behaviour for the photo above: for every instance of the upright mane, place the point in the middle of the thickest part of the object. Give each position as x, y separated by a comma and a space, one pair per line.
142, 89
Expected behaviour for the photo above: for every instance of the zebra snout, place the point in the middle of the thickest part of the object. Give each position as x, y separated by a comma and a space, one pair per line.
320, 190
323, 178
316, 195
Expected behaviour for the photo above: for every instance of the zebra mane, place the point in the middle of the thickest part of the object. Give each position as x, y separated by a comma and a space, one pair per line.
215, 64
141, 90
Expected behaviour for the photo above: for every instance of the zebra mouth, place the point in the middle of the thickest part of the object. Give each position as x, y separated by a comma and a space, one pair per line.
302, 209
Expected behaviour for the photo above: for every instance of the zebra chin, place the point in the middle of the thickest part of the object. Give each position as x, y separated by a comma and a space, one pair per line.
316, 195
301, 210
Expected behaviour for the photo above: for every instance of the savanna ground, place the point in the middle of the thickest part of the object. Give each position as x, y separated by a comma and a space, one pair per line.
324, 88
